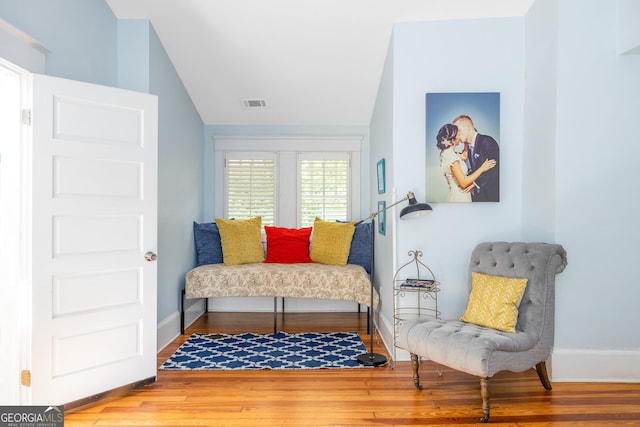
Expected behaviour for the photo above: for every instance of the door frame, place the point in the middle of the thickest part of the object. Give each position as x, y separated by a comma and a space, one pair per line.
16, 320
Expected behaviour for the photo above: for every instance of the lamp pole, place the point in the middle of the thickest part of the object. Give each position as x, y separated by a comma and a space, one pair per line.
414, 208
371, 358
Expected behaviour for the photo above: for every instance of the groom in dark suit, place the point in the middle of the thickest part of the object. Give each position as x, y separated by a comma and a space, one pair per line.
481, 148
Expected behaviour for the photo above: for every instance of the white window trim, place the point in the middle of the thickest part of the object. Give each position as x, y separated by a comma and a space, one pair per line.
287, 148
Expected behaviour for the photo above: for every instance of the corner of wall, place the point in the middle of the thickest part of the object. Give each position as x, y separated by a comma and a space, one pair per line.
133, 54
628, 29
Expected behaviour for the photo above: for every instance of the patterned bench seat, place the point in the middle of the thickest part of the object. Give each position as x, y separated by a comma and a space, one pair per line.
306, 280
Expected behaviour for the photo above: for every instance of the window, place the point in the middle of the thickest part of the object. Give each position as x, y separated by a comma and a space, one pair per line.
250, 189
286, 180
323, 187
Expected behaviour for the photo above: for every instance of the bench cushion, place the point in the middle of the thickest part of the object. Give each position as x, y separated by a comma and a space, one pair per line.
344, 283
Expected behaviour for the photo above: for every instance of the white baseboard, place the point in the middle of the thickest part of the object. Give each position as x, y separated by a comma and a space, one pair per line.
565, 365
169, 327
168, 330
584, 365
385, 333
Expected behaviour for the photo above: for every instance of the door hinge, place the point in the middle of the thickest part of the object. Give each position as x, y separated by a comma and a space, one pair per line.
26, 116
25, 378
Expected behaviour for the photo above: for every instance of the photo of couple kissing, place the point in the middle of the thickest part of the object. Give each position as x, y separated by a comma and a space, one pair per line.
469, 162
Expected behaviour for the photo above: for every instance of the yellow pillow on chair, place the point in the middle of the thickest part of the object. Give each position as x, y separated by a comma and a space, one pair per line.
494, 301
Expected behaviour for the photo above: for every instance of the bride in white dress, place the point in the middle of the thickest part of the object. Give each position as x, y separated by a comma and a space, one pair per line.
453, 156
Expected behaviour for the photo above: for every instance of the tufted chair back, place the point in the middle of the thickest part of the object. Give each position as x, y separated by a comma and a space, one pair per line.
539, 263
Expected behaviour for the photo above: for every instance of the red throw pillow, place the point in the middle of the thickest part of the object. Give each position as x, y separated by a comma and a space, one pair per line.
287, 245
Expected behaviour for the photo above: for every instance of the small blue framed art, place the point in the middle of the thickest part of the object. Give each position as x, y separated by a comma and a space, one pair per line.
382, 218
382, 186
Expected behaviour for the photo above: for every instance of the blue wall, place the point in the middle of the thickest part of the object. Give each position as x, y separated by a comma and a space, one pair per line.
180, 177
81, 35
540, 110
597, 206
89, 44
569, 107
491, 63
381, 136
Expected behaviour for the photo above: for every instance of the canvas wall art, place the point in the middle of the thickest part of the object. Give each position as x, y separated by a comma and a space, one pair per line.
382, 184
462, 147
382, 217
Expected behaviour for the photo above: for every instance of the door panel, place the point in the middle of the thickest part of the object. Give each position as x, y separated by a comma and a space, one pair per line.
94, 197
106, 290
91, 121
85, 234
102, 178
95, 348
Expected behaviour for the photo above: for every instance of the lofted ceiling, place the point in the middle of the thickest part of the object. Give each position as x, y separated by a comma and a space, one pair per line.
312, 62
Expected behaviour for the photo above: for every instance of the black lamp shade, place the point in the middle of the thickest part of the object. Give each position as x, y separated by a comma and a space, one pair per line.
414, 208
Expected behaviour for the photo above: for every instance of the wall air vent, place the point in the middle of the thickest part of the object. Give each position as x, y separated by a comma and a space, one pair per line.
254, 103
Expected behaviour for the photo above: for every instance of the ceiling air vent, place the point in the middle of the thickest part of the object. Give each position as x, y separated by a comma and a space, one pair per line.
254, 103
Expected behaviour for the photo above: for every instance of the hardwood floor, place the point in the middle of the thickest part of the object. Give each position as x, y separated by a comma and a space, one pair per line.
382, 396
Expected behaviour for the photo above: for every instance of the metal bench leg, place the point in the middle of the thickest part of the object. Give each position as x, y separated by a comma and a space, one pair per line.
275, 314
182, 313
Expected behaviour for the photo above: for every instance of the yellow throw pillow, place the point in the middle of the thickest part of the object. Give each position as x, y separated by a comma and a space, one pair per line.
241, 240
331, 242
494, 301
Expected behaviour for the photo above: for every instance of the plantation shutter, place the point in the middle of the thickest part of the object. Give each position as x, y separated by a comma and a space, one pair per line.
323, 187
250, 186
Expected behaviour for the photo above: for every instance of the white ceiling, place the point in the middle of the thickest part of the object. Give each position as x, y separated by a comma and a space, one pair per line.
314, 62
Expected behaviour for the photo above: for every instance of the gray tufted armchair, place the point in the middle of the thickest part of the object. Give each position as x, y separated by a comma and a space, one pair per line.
482, 351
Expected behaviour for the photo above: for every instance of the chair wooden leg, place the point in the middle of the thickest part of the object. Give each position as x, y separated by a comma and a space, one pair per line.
484, 392
415, 366
541, 369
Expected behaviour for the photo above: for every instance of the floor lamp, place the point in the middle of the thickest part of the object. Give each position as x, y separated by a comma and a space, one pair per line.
413, 209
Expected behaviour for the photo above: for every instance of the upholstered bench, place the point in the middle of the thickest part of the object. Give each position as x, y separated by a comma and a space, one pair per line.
295, 265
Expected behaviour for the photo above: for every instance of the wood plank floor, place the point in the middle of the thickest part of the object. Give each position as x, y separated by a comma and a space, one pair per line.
382, 396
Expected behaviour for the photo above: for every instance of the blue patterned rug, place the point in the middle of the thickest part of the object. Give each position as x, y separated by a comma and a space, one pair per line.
309, 350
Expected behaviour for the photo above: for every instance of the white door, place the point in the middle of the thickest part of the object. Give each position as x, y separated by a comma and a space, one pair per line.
94, 217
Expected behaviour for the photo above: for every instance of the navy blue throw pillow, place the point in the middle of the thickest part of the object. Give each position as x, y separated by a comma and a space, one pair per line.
208, 244
360, 252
